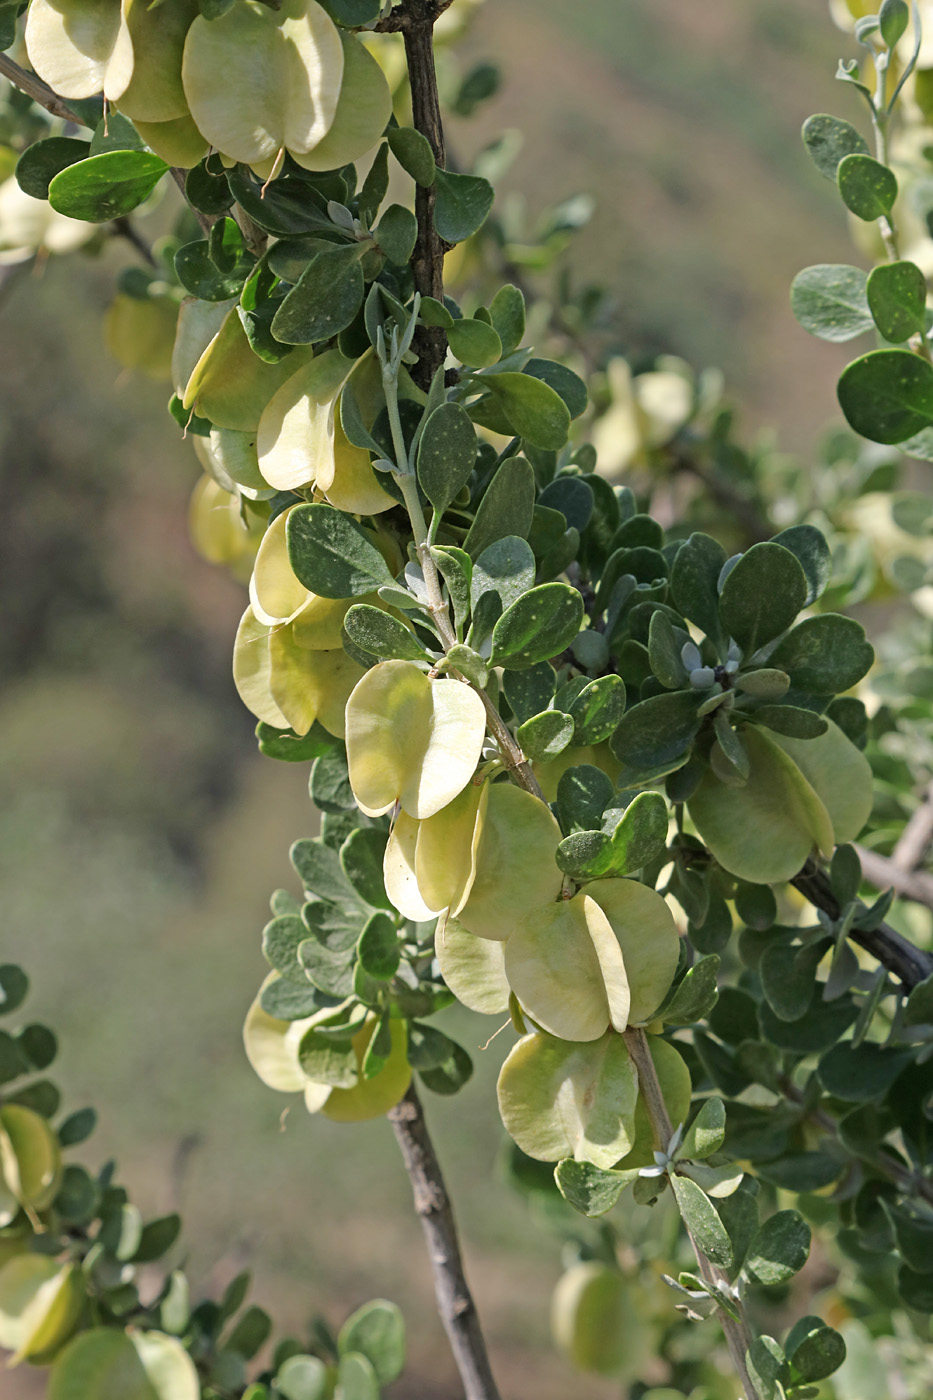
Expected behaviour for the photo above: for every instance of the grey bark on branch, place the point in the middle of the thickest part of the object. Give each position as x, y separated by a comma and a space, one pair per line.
455, 1303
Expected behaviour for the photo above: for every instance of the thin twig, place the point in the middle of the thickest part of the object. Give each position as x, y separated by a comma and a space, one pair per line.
884, 872
454, 1300
737, 1333
890, 948
746, 513
917, 837
124, 228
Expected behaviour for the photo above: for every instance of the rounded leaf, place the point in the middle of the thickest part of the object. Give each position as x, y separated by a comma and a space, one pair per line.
272, 1045
371, 1098
839, 773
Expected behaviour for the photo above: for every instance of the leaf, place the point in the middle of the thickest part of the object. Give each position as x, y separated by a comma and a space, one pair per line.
352, 13
564, 382
450, 1075
14, 984
396, 233
505, 509
43, 160
824, 655
694, 996
361, 858
830, 301
702, 1221
537, 626
893, 18
507, 310
897, 296
694, 579
331, 555
808, 546
658, 730
446, 455
474, 343
302, 1378
828, 140
813, 1349
375, 632
535, 411
598, 707
791, 720
858, 1074
413, 153
664, 648
638, 839
356, 1379
706, 1133
780, 1249
762, 595
462, 204
591, 1190
376, 1331
868, 188
106, 187
545, 735
325, 299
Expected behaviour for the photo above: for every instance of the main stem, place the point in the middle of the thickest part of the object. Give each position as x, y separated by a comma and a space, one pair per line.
454, 1300
737, 1333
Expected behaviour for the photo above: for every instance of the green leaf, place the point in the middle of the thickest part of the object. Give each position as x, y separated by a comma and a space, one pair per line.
327, 1061
830, 301
506, 508
702, 1221
474, 343
694, 996
302, 1378
824, 655
361, 858
250, 1334
893, 19
814, 1350
638, 839
860, 1073
791, 720
331, 555
77, 1127
446, 1076
545, 735
353, 14
780, 1249
583, 794
396, 233
706, 1133
106, 187
506, 568
462, 205
919, 1008
762, 595
828, 140
539, 625
529, 692
157, 1238
598, 707
657, 731
413, 153
694, 585
14, 984
591, 1190
289, 747
887, 395
103, 1362
664, 648
199, 274
374, 631
564, 382
434, 313
376, 1331
913, 1232
897, 296
809, 547
378, 949
507, 310
446, 454
868, 188
356, 1379
325, 299
535, 411
43, 160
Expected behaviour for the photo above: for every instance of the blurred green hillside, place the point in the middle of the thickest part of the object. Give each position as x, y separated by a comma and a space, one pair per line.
140, 835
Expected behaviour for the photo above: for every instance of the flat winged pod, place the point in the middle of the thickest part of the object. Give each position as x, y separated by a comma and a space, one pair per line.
138, 1364
600, 1321
80, 47
272, 1045
30, 1161
274, 592
411, 740
41, 1302
259, 81
178, 142
371, 1098
764, 830
363, 110
559, 1099
515, 868
676, 1090
430, 865
157, 35
218, 530
310, 685
839, 773
473, 968
230, 384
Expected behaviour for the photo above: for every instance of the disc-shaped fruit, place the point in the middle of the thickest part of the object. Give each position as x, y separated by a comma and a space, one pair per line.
154, 92
231, 385
252, 671
233, 455
363, 110
411, 740
430, 865
597, 1321
140, 334
106, 1364
30, 1157
259, 81
319, 625
839, 773
79, 47
473, 968
218, 529
275, 594
198, 324
515, 868
765, 830
178, 142
310, 685
558, 1099
565, 966
647, 935
272, 1045
40, 1303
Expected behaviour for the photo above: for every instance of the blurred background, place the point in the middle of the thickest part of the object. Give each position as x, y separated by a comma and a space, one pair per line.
141, 834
